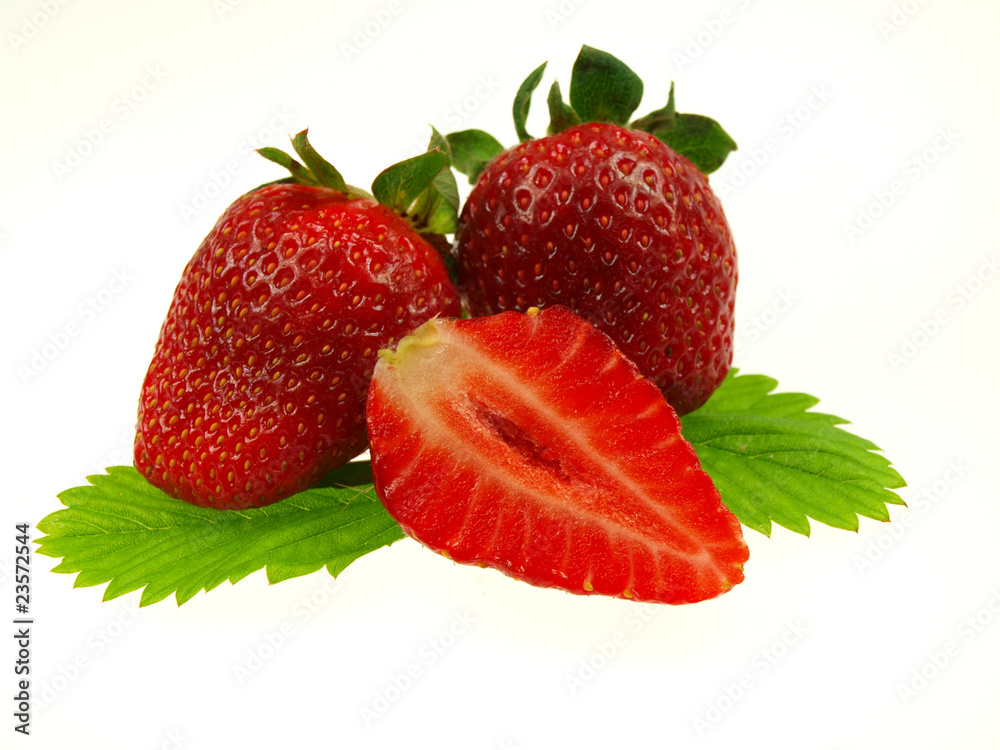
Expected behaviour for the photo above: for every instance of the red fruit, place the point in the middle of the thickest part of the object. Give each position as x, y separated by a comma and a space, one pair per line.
531, 444
257, 386
616, 225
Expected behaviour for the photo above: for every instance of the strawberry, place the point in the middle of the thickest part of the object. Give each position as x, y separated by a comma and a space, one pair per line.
607, 219
257, 385
529, 443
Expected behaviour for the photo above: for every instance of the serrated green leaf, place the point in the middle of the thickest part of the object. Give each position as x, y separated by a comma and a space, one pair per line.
121, 530
399, 186
561, 115
472, 150
522, 101
701, 139
603, 88
773, 460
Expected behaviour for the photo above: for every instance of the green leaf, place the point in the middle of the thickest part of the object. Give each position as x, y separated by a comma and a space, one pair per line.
774, 460
353, 474
121, 530
401, 184
701, 139
323, 171
471, 151
603, 88
561, 115
522, 101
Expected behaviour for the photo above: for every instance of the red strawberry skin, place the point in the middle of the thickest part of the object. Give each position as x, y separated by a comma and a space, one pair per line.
530, 444
615, 225
257, 385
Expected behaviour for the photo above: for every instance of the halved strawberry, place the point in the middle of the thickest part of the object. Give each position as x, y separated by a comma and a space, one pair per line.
529, 443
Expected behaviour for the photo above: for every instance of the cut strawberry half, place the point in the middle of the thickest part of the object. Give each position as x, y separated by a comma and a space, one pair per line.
529, 443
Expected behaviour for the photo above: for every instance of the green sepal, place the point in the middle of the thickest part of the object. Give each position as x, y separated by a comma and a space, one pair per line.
701, 139
422, 189
400, 186
441, 213
471, 151
324, 172
435, 210
561, 115
522, 101
316, 171
300, 174
603, 88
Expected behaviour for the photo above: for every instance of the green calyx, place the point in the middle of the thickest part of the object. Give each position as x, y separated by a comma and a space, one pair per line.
602, 89
701, 139
421, 189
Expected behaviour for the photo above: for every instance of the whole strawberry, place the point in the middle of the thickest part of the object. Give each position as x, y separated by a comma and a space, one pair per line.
257, 385
610, 221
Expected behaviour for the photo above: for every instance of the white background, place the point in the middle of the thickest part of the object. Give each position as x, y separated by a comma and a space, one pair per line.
832, 103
